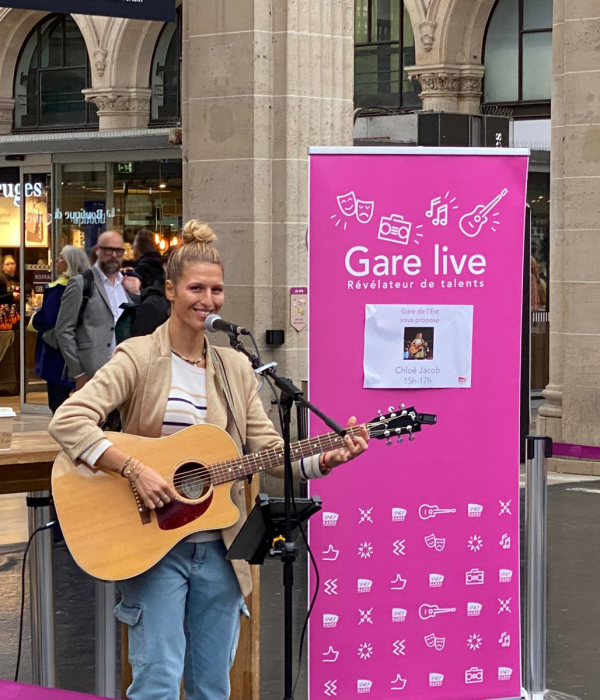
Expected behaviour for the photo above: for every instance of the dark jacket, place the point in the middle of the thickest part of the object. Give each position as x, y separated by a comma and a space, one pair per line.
147, 315
6, 297
149, 267
49, 363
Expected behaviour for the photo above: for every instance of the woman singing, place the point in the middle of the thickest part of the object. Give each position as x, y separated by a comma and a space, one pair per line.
183, 613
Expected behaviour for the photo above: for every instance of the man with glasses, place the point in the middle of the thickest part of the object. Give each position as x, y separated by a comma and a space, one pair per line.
87, 343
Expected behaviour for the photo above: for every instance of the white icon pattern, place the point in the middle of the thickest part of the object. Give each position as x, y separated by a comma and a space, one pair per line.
475, 543
365, 550
474, 642
330, 688
504, 606
332, 654
365, 516
399, 647
331, 586
398, 584
505, 507
365, 650
366, 616
400, 548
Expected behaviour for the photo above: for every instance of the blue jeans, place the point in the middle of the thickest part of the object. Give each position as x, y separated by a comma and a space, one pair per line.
183, 617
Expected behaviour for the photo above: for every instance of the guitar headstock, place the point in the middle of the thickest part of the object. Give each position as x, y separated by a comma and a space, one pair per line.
399, 422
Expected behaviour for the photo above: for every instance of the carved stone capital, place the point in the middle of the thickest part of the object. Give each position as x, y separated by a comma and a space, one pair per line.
121, 108
449, 87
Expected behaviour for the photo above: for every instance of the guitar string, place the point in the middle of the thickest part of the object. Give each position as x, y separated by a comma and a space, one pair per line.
274, 457
223, 472
266, 459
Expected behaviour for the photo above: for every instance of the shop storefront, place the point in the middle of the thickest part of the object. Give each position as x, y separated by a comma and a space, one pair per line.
70, 196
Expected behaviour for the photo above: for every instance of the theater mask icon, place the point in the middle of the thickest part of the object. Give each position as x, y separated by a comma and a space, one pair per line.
347, 204
364, 211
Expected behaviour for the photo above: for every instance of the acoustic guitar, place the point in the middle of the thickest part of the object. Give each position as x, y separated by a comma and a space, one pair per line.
113, 536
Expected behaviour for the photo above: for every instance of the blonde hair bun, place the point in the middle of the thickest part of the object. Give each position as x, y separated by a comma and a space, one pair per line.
196, 231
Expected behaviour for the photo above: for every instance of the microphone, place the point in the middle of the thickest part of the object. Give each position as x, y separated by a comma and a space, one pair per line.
215, 323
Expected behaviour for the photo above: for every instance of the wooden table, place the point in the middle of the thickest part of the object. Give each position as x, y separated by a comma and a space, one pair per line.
28, 464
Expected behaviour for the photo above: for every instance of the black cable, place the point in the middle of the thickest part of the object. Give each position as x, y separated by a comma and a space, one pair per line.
52, 523
304, 537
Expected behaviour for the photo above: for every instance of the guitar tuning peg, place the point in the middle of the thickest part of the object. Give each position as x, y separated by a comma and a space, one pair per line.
391, 408
411, 437
400, 439
401, 405
388, 441
379, 411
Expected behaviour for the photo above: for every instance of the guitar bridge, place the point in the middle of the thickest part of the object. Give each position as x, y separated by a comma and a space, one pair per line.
143, 510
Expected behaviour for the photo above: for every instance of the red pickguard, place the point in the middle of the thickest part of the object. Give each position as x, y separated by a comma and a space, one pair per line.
176, 514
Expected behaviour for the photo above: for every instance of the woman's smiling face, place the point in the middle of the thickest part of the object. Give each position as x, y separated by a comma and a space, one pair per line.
199, 293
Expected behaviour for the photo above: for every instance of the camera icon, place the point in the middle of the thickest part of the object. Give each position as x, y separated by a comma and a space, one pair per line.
394, 229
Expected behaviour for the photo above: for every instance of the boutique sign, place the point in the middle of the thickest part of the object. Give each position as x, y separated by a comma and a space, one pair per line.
160, 10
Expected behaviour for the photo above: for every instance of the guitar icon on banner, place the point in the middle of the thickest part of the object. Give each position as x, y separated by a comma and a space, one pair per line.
426, 511
427, 611
472, 223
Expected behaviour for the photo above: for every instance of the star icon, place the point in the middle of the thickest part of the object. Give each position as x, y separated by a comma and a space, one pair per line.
365, 550
365, 651
474, 642
475, 543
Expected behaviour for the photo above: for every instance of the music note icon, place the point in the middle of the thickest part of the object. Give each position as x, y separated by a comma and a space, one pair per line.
437, 212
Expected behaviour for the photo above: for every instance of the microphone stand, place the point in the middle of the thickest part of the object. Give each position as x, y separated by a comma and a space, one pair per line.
286, 550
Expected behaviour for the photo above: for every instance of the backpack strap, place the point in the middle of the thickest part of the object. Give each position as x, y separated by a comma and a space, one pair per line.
224, 382
88, 290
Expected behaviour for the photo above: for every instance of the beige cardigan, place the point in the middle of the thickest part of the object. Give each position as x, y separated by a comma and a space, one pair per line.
137, 382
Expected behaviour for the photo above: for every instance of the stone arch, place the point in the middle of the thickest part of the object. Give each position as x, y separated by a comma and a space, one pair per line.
462, 25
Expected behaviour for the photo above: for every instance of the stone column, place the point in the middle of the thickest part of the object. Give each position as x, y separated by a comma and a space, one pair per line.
7, 113
262, 81
570, 413
120, 108
449, 87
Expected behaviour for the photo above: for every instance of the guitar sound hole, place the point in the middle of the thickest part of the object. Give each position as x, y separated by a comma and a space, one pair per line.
192, 480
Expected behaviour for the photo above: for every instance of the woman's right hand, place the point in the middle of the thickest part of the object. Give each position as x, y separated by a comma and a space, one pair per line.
150, 485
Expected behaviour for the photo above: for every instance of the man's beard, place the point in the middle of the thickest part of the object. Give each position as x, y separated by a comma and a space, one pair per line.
110, 268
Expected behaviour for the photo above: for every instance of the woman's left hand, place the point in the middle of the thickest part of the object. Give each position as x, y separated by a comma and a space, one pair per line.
353, 447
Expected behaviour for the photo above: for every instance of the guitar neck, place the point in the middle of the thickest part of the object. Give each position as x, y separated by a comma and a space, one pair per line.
241, 467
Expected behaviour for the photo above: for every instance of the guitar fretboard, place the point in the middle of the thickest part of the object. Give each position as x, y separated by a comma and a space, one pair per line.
240, 467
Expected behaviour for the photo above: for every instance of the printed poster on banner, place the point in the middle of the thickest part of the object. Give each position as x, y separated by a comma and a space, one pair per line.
408, 345
416, 263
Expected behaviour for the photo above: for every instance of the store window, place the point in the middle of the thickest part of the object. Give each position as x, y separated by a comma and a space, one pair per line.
384, 43
53, 70
518, 55
125, 197
166, 74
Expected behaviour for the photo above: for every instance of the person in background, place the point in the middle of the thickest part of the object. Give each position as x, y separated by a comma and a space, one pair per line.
148, 261
9, 281
49, 363
89, 346
9, 270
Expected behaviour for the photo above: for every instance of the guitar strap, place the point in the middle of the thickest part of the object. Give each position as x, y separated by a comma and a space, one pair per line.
224, 382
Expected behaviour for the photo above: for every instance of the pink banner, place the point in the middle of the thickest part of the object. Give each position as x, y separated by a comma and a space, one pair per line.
416, 259
34, 692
